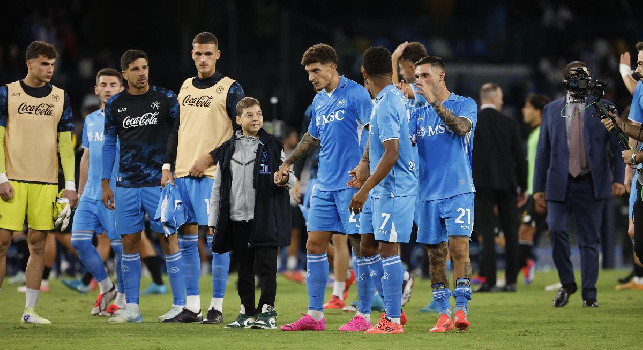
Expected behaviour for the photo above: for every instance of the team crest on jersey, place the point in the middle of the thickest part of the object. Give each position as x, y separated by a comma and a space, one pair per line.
156, 105
55, 97
219, 89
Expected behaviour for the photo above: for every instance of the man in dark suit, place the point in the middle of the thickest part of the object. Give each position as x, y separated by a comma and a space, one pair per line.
500, 178
578, 166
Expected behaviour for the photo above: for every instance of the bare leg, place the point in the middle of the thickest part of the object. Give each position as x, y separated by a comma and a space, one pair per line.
35, 265
5, 242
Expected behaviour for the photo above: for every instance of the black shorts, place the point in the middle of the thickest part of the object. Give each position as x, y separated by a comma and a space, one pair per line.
531, 218
296, 217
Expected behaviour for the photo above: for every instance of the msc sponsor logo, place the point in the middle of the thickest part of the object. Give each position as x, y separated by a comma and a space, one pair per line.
95, 136
323, 119
146, 119
200, 101
429, 130
40, 109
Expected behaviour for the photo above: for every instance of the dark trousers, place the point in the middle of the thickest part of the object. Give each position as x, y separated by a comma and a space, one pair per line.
638, 223
260, 261
587, 211
485, 199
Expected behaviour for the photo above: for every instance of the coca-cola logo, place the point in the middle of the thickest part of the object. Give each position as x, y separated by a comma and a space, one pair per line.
41, 109
201, 101
145, 119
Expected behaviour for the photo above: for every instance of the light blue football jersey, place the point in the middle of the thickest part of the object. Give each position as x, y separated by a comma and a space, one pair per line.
444, 156
93, 140
338, 120
390, 120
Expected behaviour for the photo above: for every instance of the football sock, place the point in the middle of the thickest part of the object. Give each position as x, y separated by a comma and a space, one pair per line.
442, 295
462, 295
316, 280
131, 268
391, 282
191, 263
177, 282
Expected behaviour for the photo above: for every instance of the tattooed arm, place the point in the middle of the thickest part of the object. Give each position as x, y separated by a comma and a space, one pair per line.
305, 146
459, 125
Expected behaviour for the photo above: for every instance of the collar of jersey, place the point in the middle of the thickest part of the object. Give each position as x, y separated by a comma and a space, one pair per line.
340, 85
384, 91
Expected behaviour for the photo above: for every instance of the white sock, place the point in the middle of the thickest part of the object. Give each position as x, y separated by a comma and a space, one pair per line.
217, 304
32, 297
396, 320
316, 315
120, 300
242, 310
637, 280
105, 285
193, 303
367, 317
291, 263
44, 283
134, 307
338, 289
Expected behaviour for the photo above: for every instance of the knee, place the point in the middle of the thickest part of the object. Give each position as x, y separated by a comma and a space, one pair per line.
5, 242
316, 246
437, 253
459, 252
368, 247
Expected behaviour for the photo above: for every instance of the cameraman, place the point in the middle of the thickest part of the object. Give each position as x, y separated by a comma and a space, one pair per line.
573, 173
632, 127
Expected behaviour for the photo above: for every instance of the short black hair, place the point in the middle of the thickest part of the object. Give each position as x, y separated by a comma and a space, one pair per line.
538, 101
109, 72
319, 53
567, 71
130, 56
434, 61
413, 52
377, 61
40, 48
205, 38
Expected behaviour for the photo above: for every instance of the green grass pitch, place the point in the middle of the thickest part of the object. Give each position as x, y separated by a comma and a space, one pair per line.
522, 320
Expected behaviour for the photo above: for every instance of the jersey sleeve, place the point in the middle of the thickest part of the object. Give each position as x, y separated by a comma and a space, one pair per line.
635, 108
312, 127
66, 123
413, 118
469, 110
235, 94
363, 106
85, 142
388, 123
4, 109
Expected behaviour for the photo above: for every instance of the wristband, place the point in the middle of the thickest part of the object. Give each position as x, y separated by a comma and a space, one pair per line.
166, 166
70, 186
633, 159
3, 178
624, 69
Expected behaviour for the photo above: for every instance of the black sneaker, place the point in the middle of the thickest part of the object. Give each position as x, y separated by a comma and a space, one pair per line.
213, 317
185, 316
267, 319
590, 303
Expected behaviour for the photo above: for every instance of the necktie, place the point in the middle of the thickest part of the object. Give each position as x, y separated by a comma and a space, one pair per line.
577, 157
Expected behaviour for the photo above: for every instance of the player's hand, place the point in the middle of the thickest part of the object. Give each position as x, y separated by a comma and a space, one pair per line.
108, 196
625, 59
540, 203
395, 56
201, 165
425, 91
357, 202
72, 196
166, 177
359, 175
617, 189
521, 200
627, 156
295, 192
281, 175
6, 191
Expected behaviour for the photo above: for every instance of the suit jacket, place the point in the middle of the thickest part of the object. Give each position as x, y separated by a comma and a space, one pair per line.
551, 171
499, 160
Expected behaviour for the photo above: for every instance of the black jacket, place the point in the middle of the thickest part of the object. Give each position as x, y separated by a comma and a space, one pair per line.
499, 160
272, 221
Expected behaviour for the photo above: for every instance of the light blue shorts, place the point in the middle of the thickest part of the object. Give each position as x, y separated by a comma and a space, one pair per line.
91, 215
366, 218
132, 203
442, 218
329, 212
195, 193
393, 218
